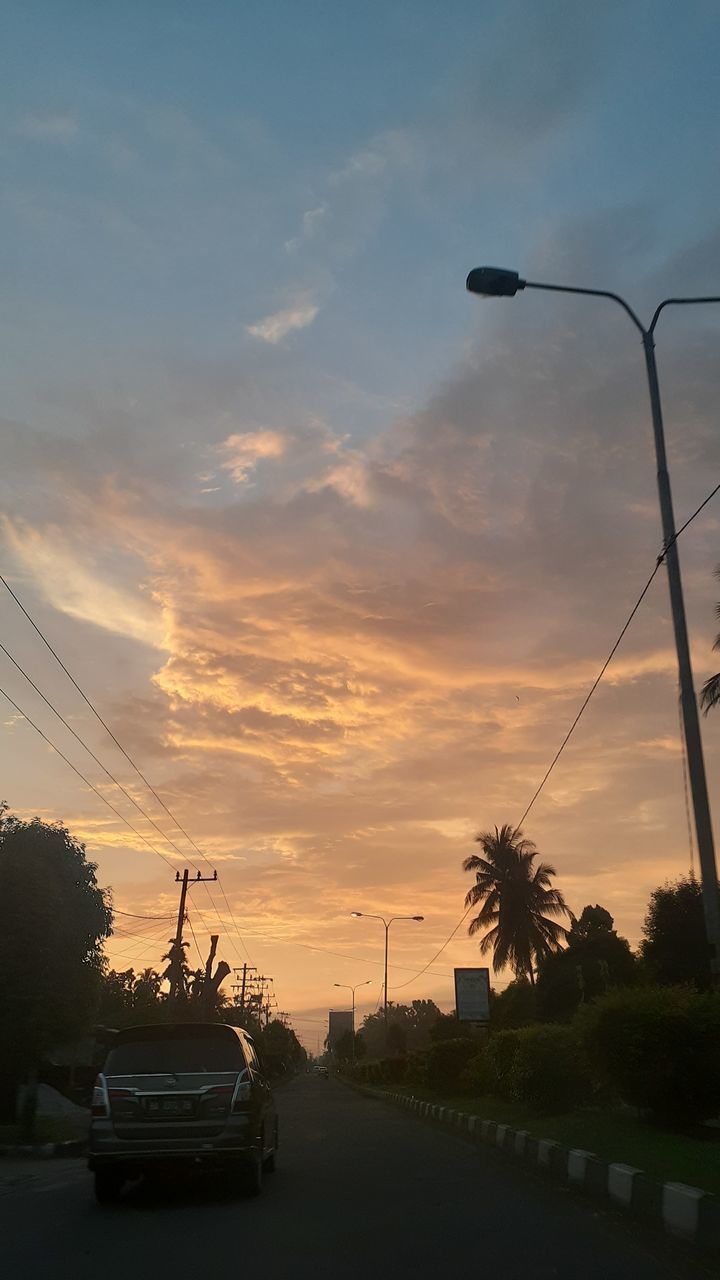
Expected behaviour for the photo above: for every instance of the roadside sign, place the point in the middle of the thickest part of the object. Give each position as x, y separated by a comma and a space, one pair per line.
340, 1021
472, 995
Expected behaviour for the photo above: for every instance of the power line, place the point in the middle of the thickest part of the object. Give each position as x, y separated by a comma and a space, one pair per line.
131, 914
130, 933
97, 792
155, 944
97, 715
555, 758
666, 547
592, 689
82, 778
187, 917
90, 752
125, 753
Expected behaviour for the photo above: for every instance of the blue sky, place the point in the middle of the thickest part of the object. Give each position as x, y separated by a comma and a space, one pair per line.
307, 516
162, 156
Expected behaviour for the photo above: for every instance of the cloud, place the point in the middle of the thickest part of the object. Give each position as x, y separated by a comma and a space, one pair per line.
379, 648
80, 588
356, 192
312, 220
49, 128
387, 154
243, 452
351, 478
275, 327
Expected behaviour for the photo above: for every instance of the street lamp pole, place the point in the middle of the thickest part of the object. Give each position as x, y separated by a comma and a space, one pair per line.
387, 924
348, 987
495, 282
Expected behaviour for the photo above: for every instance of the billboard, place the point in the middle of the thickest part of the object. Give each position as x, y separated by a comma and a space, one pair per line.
339, 1021
472, 995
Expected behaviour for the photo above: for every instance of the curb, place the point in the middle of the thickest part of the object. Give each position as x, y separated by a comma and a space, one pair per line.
687, 1213
44, 1150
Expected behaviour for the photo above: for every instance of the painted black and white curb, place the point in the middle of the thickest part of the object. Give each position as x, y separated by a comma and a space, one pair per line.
686, 1212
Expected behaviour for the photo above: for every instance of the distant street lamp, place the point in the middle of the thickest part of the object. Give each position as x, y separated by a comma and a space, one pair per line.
348, 987
495, 282
387, 923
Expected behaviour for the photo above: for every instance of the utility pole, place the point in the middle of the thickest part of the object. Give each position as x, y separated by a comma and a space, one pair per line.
242, 986
176, 951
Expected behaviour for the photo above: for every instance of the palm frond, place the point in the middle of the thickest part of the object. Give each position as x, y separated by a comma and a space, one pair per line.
710, 695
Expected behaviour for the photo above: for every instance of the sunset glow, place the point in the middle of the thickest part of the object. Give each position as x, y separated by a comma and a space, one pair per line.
335, 549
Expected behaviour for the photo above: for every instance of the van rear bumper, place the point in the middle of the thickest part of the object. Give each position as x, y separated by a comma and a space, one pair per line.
139, 1160
107, 1148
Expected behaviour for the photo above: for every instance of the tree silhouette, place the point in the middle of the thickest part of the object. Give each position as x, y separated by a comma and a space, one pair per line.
517, 902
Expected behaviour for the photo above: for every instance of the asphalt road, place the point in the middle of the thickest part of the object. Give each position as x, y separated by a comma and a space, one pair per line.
361, 1190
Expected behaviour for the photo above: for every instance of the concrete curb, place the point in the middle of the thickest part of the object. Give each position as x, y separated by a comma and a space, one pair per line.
688, 1213
43, 1150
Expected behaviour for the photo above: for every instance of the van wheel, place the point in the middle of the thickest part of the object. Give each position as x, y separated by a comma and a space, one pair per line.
252, 1175
108, 1185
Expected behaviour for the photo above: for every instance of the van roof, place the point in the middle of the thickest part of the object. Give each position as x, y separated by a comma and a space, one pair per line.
181, 1031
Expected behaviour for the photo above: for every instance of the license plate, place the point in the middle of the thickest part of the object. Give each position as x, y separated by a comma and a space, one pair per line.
160, 1107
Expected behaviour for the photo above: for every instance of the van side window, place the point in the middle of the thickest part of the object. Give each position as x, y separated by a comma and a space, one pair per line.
250, 1054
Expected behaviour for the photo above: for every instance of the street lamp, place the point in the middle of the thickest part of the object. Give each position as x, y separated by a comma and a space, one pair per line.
495, 282
387, 923
348, 987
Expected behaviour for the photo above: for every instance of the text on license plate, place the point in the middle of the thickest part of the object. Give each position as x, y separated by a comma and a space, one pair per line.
169, 1106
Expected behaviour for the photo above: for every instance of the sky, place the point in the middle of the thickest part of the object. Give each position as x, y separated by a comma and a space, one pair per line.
335, 548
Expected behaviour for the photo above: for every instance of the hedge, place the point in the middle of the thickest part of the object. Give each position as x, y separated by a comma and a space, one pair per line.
658, 1048
446, 1061
543, 1066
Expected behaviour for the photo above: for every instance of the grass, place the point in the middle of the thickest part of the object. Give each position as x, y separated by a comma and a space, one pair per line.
612, 1135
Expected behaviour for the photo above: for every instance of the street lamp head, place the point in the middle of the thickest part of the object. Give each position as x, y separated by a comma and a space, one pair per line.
494, 282
418, 918
356, 914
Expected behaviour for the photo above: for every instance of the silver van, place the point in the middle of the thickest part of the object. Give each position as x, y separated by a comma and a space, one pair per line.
190, 1094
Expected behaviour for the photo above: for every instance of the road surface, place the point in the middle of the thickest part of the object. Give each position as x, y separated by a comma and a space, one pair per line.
362, 1189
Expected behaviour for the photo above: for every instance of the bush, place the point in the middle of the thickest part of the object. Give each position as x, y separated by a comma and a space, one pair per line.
542, 1067
446, 1062
393, 1070
447, 1026
658, 1048
416, 1073
477, 1078
550, 1071
500, 1059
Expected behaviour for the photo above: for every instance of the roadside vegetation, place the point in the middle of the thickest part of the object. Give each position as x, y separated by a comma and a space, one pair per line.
601, 1047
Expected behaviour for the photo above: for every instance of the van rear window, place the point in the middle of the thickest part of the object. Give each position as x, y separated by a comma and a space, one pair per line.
174, 1056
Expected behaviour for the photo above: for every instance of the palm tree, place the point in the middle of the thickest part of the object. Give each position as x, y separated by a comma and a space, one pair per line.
517, 902
710, 696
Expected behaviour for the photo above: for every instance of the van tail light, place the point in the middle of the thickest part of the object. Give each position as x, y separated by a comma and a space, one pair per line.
100, 1106
241, 1095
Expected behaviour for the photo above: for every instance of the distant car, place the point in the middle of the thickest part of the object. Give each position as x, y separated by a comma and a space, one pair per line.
321, 1071
189, 1095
